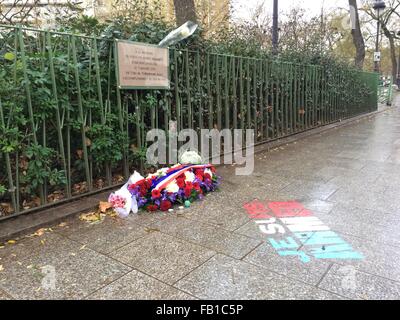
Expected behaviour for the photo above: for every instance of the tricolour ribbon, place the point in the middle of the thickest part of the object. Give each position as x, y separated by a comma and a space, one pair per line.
167, 180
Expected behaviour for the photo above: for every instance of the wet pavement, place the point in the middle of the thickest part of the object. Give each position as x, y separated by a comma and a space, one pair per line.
318, 219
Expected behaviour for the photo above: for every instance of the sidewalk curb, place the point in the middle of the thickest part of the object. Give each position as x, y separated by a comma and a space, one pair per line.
24, 224
29, 223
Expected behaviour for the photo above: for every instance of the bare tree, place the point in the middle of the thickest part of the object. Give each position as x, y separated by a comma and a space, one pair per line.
37, 11
185, 10
17, 11
357, 35
388, 20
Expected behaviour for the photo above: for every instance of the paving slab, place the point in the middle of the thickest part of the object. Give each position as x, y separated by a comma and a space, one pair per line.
66, 271
226, 278
354, 284
217, 212
379, 259
363, 226
311, 190
98, 236
163, 257
214, 238
30, 245
265, 256
138, 286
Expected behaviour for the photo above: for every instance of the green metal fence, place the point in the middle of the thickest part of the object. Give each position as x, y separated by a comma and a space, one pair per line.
67, 131
385, 91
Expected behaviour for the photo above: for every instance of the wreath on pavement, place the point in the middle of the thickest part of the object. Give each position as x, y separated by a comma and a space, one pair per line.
180, 184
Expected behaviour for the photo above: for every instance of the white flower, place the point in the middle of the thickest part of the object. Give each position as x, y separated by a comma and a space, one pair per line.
190, 176
162, 172
209, 172
135, 178
191, 157
172, 187
151, 176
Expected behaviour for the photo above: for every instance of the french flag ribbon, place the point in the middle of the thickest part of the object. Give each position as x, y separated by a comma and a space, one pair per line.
171, 177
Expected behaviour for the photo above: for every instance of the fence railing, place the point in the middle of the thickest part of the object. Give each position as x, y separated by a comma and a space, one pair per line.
385, 91
66, 129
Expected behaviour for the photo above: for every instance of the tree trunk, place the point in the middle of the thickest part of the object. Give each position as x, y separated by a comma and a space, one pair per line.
393, 56
185, 10
358, 38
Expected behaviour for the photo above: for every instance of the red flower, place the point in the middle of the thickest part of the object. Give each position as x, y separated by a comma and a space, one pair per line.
199, 172
156, 194
207, 176
152, 208
165, 205
196, 186
213, 170
199, 177
180, 182
140, 183
188, 192
143, 193
189, 185
148, 184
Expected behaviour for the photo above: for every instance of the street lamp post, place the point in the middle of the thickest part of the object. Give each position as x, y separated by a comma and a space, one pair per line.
275, 31
398, 66
379, 6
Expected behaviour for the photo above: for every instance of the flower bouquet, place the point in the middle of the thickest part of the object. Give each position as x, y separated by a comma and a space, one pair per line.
181, 184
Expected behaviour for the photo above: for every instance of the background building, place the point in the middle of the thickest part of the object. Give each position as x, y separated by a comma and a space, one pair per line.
211, 14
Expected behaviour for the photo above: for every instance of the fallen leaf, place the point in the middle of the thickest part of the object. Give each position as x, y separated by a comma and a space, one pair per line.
79, 188
112, 214
83, 247
40, 232
11, 242
90, 217
104, 206
1, 268
63, 225
99, 184
55, 196
151, 230
43, 242
6, 208
118, 178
